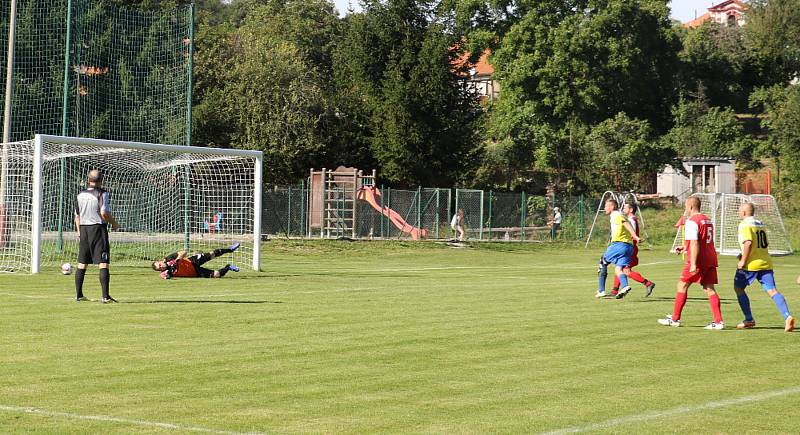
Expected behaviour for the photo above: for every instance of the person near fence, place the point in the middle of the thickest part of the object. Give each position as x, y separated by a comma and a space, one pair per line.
457, 224
92, 216
756, 264
180, 265
555, 224
629, 210
701, 265
619, 251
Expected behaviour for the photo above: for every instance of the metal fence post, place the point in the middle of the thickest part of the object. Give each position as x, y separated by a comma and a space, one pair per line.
438, 218
582, 217
522, 217
489, 224
455, 210
289, 212
419, 208
480, 231
388, 207
302, 207
380, 218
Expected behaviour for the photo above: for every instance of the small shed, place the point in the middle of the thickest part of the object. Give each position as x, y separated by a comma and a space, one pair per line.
701, 175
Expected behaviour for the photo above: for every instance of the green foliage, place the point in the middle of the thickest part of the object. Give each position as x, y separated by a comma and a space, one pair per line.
773, 38
624, 152
395, 80
268, 90
702, 131
716, 65
781, 105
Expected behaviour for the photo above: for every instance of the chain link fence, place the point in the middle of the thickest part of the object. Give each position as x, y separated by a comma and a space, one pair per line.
396, 213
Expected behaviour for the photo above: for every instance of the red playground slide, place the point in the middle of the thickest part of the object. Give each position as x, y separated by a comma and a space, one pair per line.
373, 196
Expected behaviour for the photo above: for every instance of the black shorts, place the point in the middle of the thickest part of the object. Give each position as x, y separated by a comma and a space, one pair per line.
198, 260
94, 247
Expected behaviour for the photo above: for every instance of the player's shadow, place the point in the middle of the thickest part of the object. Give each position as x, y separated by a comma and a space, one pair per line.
199, 301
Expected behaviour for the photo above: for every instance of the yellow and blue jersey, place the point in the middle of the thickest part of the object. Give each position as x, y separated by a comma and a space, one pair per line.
618, 231
753, 230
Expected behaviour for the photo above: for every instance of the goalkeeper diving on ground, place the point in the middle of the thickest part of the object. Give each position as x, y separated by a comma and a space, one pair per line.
180, 265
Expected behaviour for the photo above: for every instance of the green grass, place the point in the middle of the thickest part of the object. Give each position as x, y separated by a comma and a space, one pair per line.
392, 337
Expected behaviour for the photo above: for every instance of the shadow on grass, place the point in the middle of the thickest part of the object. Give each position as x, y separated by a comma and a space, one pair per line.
198, 301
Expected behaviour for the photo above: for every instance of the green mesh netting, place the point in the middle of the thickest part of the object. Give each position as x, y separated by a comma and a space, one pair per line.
129, 71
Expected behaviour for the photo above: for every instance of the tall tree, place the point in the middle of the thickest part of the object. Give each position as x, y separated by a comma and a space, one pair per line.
772, 35
269, 90
397, 81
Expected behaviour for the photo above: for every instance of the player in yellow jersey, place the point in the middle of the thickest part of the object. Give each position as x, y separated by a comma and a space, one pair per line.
755, 263
619, 251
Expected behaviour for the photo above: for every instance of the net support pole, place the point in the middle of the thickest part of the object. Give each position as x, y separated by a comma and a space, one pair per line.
64, 128
257, 209
36, 207
190, 72
12, 31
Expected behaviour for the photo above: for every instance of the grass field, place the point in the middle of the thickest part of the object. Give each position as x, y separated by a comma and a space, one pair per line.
395, 337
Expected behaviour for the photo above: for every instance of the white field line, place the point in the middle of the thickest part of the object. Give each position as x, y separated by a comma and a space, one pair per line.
69, 415
677, 411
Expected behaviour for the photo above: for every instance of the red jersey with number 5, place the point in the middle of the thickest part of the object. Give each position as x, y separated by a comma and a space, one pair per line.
699, 227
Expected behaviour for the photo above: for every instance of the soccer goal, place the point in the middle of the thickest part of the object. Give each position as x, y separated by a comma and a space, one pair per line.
165, 197
723, 209
603, 227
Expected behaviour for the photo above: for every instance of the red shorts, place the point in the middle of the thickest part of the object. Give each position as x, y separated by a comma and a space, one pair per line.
706, 276
635, 257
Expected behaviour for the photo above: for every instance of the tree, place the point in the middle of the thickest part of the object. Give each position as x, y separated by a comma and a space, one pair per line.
268, 90
397, 84
703, 131
772, 35
624, 153
781, 119
717, 67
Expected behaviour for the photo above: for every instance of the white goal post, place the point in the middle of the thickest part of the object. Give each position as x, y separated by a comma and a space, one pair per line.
165, 197
723, 209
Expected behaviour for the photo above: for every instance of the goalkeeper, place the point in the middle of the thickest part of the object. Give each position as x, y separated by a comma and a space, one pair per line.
180, 265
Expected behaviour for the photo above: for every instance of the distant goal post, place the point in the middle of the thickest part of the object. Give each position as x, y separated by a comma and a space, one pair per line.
723, 209
165, 197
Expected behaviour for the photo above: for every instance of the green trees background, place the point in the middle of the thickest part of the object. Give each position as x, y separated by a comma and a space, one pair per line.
595, 94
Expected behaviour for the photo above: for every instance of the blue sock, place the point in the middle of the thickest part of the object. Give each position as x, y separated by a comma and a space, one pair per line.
602, 278
744, 304
623, 280
780, 302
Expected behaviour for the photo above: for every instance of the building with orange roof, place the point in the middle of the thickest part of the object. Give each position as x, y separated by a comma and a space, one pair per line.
479, 76
727, 13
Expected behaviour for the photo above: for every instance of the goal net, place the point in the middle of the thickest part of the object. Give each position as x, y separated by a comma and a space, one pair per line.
723, 209
165, 197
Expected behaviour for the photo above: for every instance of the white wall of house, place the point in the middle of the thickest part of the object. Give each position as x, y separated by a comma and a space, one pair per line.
705, 176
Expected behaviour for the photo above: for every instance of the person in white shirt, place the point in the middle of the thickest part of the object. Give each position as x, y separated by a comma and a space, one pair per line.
556, 223
457, 224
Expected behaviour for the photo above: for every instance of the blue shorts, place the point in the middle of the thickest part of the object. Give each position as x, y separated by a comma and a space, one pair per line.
619, 254
744, 278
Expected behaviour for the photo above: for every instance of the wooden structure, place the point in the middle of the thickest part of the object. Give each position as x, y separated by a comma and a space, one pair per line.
332, 201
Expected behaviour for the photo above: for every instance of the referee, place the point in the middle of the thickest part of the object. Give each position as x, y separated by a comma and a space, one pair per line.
92, 212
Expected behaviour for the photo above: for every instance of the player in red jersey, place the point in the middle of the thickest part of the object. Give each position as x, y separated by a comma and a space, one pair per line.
701, 265
629, 210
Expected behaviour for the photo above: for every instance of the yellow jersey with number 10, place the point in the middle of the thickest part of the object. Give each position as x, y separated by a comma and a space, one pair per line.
754, 230
618, 231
